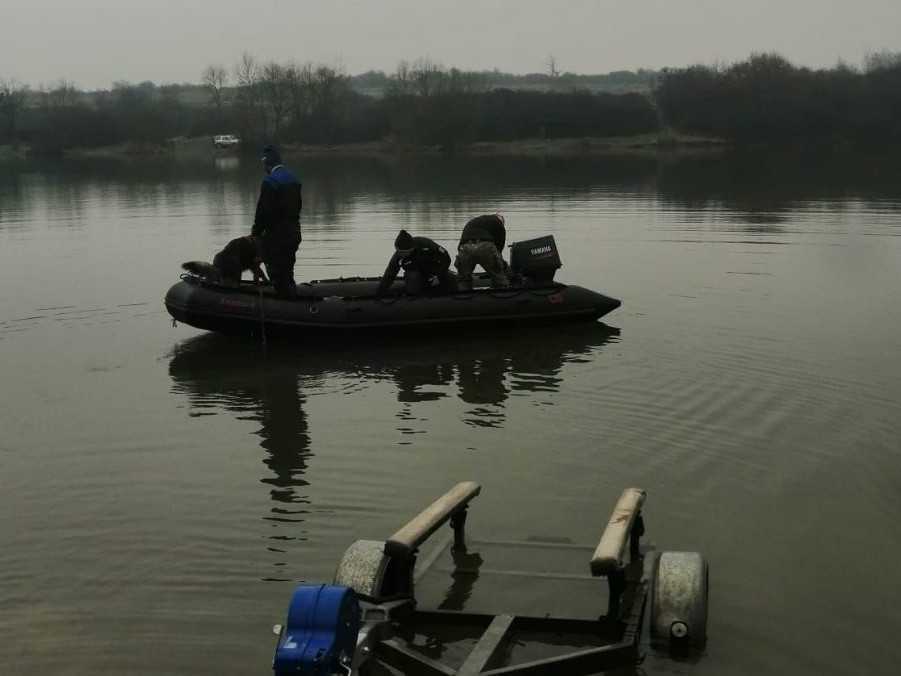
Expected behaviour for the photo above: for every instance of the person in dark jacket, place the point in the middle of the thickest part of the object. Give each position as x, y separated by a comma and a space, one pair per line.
276, 225
481, 243
425, 265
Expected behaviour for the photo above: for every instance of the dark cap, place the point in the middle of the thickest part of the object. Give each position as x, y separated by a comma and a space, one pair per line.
404, 240
271, 156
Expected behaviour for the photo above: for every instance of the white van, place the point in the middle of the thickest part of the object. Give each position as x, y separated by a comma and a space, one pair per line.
225, 141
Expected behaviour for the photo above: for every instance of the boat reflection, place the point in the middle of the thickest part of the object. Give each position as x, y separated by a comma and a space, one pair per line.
484, 370
224, 375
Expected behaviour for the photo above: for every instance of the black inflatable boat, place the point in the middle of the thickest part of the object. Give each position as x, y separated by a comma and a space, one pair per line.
350, 304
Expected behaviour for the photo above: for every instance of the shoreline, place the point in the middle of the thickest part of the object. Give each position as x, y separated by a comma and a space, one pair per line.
199, 147
536, 147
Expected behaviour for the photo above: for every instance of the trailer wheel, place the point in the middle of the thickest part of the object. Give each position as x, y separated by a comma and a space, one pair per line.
363, 567
679, 602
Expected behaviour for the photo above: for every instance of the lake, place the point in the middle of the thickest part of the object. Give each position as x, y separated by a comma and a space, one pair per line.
163, 489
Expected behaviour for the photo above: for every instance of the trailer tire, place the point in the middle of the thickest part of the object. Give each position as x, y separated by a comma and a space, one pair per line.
679, 602
363, 567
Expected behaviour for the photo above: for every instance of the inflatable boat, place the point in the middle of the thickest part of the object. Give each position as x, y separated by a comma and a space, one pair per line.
351, 304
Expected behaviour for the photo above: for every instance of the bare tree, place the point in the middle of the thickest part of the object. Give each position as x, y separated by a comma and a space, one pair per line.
246, 72
249, 100
13, 96
427, 77
881, 60
64, 94
401, 83
297, 79
275, 92
328, 94
465, 82
215, 79
552, 66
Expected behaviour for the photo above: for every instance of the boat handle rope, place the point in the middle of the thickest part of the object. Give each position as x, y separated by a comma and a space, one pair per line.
505, 294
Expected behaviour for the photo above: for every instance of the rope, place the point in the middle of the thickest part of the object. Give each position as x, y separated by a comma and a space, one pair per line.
262, 317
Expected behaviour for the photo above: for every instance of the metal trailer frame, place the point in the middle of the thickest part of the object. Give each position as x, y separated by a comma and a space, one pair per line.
383, 577
385, 621
393, 653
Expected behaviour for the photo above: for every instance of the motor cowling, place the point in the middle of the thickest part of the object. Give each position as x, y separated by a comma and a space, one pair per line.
320, 634
535, 259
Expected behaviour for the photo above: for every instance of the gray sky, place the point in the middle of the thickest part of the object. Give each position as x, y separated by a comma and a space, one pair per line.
95, 42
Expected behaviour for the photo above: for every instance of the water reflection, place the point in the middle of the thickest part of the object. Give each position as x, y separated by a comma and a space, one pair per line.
759, 190
222, 376
219, 374
227, 163
463, 579
764, 190
13, 205
481, 370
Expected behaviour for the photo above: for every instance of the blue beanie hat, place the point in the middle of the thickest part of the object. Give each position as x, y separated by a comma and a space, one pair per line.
271, 156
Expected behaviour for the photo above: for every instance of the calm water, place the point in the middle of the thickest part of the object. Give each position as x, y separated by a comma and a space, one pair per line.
163, 489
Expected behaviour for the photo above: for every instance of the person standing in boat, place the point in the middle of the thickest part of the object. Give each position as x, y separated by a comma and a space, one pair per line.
424, 262
276, 225
481, 243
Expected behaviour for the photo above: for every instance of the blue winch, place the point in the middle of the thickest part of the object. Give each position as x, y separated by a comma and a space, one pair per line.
320, 634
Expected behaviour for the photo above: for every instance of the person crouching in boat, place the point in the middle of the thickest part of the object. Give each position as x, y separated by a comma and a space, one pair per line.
276, 225
425, 265
481, 243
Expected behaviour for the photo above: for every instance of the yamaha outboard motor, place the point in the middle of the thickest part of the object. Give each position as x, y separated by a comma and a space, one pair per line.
320, 635
535, 259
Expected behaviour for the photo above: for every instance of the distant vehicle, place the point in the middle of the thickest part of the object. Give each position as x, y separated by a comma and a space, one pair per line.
226, 141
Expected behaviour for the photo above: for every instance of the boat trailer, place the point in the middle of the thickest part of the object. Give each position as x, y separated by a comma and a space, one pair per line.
379, 617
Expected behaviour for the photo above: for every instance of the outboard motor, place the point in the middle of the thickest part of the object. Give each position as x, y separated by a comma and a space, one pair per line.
320, 635
535, 259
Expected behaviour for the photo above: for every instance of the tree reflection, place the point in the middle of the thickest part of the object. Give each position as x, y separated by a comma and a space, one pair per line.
761, 190
13, 203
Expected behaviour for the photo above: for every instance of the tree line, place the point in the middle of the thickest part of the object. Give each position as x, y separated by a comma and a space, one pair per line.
421, 103
764, 99
377, 82
63, 117
767, 100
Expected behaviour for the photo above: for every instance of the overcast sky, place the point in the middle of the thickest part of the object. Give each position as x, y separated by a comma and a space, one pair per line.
94, 43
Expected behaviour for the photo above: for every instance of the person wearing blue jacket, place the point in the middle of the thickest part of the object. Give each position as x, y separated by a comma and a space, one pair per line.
276, 225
